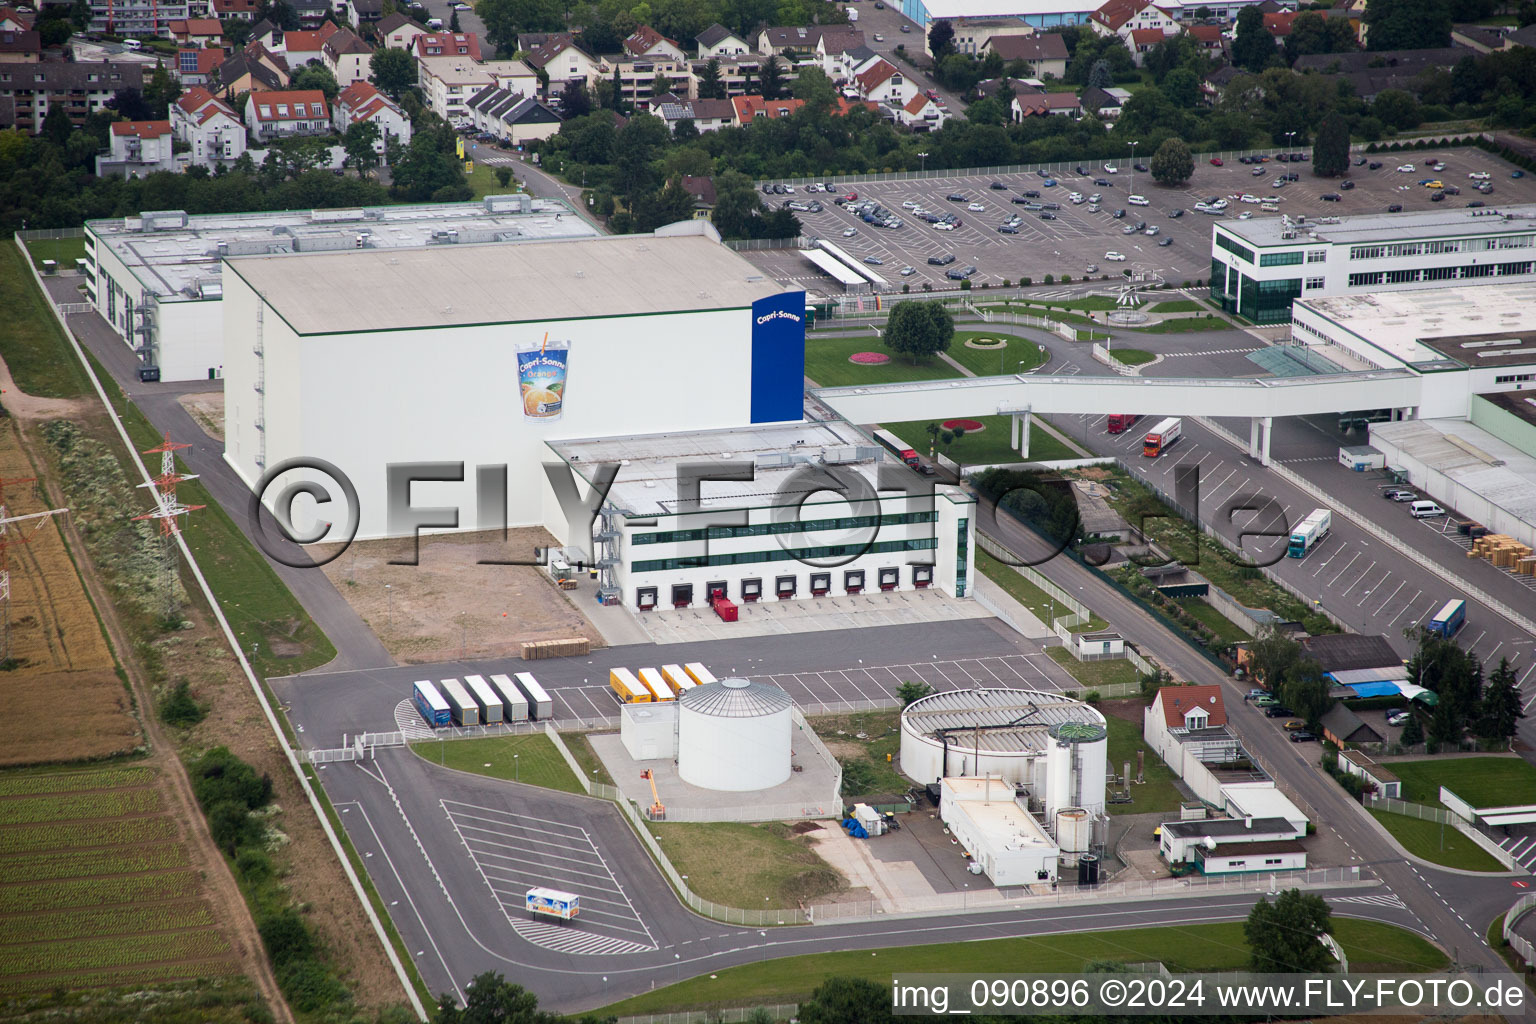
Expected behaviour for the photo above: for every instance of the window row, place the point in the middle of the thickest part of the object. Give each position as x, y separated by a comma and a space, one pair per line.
781, 555
775, 529
1369, 279
1435, 248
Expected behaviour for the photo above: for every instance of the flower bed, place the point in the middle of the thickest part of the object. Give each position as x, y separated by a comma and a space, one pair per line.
869, 358
969, 426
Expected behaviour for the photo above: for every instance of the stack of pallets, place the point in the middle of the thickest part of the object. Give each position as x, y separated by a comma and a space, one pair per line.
1505, 553
533, 650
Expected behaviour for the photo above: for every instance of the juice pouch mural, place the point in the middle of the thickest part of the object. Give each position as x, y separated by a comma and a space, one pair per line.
541, 372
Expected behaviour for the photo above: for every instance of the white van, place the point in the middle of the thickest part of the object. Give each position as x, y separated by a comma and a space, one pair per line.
435, 24
1425, 510
1138, 200
132, 44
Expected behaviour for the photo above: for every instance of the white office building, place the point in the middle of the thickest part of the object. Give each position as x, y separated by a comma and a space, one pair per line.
1259, 266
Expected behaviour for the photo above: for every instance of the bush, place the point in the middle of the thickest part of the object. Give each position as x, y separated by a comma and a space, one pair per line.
1025, 282
1050, 278
232, 827
1066, 278
905, 289
219, 776
179, 709
859, 776
965, 285
1007, 283
286, 937
309, 986
253, 865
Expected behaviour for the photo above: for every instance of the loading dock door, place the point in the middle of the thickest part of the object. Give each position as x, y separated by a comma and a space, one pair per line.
645, 598
853, 581
785, 586
682, 595
751, 590
713, 588
890, 578
922, 576
821, 583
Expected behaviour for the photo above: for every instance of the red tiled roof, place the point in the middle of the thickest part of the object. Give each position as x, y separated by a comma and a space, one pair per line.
1116, 13
1147, 36
308, 42
312, 100
643, 39
204, 27
1279, 24
141, 129
1178, 700
1205, 33
447, 44
877, 75
748, 107
227, 7
916, 103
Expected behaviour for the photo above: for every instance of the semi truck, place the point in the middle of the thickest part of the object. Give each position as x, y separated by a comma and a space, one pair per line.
1162, 437
490, 703
893, 444
1450, 618
1309, 532
543, 902
1120, 422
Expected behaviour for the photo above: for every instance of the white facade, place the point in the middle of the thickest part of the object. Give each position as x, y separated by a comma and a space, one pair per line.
734, 736
649, 731
1262, 800
1180, 839
998, 831
1251, 858
447, 83
138, 148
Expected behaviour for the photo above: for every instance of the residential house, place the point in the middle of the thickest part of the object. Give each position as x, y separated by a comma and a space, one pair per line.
313, 14
396, 31
529, 41
750, 108
196, 67
1122, 17
346, 57
12, 20
1212, 84
646, 42
1206, 37
973, 32
29, 91
243, 73
1279, 23
1479, 38
1045, 53
885, 84
446, 44
267, 34
362, 102
138, 148
512, 75
706, 115
136, 17
737, 74
196, 32
1341, 726
789, 39
563, 61
300, 48
1104, 104
1409, 62
239, 10
702, 189
19, 46
1142, 41
1059, 104
210, 128
637, 76
922, 114
1177, 710
991, 87
447, 83
719, 41
512, 117
362, 13
274, 115
1521, 37
842, 64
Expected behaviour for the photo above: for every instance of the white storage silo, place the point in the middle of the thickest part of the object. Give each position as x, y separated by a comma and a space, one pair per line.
734, 735
1074, 830
1076, 766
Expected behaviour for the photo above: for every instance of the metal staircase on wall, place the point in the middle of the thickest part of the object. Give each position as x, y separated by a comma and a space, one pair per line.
260, 387
606, 557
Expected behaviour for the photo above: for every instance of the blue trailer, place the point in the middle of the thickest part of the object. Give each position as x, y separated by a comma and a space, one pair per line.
1449, 618
431, 704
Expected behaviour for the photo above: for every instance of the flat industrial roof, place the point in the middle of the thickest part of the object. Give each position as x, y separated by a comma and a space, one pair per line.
647, 480
1005, 822
1007, 8
1484, 464
177, 257
966, 709
459, 285
1228, 828
1519, 404
1457, 222
1429, 325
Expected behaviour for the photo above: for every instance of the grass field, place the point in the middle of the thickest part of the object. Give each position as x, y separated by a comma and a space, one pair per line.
1481, 781
62, 250
1177, 306
1183, 324
986, 362
1131, 356
1201, 947
762, 867
34, 348
826, 363
1026, 593
841, 735
581, 749
99, 889
988, 446
1436, 843
530, 759
1158, 791
1227, 632
1094, 673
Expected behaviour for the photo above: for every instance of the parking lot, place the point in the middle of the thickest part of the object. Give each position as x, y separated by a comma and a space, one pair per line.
1076, 238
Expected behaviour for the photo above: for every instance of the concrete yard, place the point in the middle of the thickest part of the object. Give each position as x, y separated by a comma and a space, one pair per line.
784, 618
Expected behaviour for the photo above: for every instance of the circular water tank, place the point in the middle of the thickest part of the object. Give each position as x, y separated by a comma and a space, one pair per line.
1081, 747
1088, 870
734, 735
1074, 830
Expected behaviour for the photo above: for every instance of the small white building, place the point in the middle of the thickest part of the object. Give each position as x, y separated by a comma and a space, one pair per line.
719, 41
997, 830
397, 30
138, 148
1251, 858
210, 127
277, 115
1178, 713
649, 731
1262, 800
362, 102
1180, 839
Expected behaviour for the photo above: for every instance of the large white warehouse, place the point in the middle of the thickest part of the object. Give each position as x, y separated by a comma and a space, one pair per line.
157, 278
1052, 745
472, 357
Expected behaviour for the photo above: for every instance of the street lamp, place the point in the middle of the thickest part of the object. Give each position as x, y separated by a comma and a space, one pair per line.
1133, 165
389, 591
1288, 137
924, 158
517, 771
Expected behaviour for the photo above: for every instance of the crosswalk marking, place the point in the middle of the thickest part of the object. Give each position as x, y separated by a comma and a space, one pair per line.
408, 721
1215, 352
1390, 899
568, 939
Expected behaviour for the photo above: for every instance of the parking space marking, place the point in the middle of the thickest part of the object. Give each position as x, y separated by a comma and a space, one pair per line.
1406, 605
1357, 579
1390, 596
1344, 570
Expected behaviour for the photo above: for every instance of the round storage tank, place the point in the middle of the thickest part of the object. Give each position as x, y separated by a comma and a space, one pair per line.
734, 735
1077, 766
1074, 830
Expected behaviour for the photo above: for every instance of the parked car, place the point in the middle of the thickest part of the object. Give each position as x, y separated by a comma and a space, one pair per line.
1008, 229
1111, 169
1257, 172
1138, 200
1103, 183
1330, 197
1345, 186
1476, 203
998, 186
1480, 176
1096, 198
850, 232
1399, 718
905, 28
1517, 173
1092, 268
1019, 201
1139, 168
944, 225
1395, 208
1295, 725
1049, 183
1452, 190
1115, 257
1375, 165
1176, 214
1302, 736
878, 37
1047, 215
1251, 694
1118, 214
874, 261
1359, 161
1398, 494
1265, 701
955, 197
941, 260
960, 274
1216, 161
1484, 188
1032, 193
908, 271
1405, 169
1278, 711
1129, 229
1165, 241
976, 208
1438, 197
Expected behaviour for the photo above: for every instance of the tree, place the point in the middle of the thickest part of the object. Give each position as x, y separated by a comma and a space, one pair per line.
1456, 677
1099, 76
1284, 936
279, 13
392, 70
738, 205
55, 31
1182, 87
941, 40
661, 84
1413, 732
1312, 33
359, 141
1171, 164
1397, 109
491, 999
575, 101
910, 692
657, 209
1271, 656
847, 1001
710, 86
1330, 151
1444, 730
129, 104
771, 79
161, 91
1305, 691
1407, 24
817, 91
1253, 45
453, 22
919, 329
1501, 704
316, 76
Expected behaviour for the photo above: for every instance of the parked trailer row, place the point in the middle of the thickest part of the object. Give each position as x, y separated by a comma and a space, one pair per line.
650, 685
478, 701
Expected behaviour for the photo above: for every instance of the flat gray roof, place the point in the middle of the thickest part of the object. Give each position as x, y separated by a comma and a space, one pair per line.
1470, 456
1473, 324
459, 285
177, 257
1460, 222
647, 481
1227, 828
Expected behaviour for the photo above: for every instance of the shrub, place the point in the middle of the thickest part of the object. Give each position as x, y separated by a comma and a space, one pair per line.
232, 827
1066, 278
309, 986
286, 937
1050, 278
906, 288
1007, 283
965, 285
1025, 282
253, 865
219, 776
179, 709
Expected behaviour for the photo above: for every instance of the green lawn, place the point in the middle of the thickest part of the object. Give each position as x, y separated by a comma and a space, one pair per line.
32, 344
1158, 791
841, 732
1027, 594
1131, 356
761, 867
992, 362
1094, 673
1178, 324
1087, 302
1439, 844
581, 749
1195, 947
1226, 631
1177, 306
826, 363
988, 446
1481, 781
530, 758
64, 250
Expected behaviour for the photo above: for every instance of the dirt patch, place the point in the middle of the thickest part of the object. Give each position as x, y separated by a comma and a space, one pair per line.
207, 410
800, 828
1092, 473
448, 606
1129, 709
